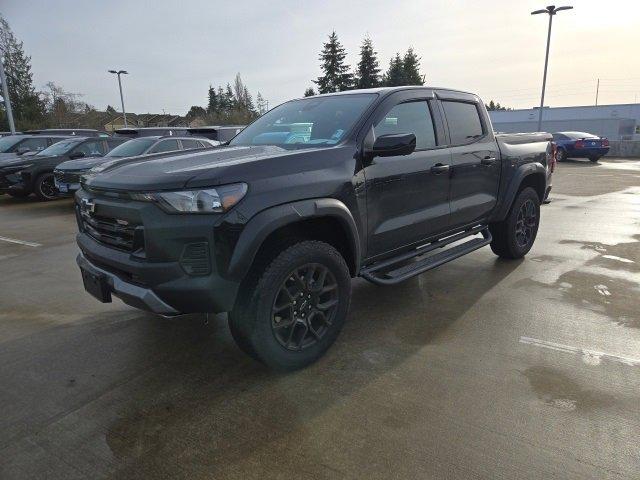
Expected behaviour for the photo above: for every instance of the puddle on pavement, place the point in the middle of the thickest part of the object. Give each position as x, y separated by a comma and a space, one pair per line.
614, 297
559, 391
621, 256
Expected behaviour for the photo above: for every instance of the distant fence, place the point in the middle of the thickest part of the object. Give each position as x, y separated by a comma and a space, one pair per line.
624, 148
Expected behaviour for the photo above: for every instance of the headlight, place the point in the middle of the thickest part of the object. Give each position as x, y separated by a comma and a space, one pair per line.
210, 200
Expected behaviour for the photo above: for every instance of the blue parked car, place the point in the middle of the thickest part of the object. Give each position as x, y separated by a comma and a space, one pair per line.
580, 145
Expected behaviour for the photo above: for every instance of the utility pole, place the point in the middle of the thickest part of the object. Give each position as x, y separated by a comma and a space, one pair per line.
5, 96
597, 91
121, 72
551, 10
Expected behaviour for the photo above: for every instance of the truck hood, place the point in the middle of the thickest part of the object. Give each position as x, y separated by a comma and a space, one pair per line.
178, 171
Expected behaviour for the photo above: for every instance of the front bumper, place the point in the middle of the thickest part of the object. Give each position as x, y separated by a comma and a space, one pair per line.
159, 266
133, 295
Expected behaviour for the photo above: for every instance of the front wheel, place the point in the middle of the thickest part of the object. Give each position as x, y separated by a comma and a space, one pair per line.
514, 236
45, 188
294, 308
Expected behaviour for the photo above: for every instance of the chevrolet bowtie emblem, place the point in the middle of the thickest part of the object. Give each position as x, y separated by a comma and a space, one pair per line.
88, 205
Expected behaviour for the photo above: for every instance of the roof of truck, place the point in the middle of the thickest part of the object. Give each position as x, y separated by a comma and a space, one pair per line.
392, 89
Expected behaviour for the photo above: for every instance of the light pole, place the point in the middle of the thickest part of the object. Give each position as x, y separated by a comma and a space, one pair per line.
118, 73
551, 10
5, 97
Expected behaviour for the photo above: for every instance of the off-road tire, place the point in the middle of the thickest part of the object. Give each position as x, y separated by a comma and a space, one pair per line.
251, 320
506, 243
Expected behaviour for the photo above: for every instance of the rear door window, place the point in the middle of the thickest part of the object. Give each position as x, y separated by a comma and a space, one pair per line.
187, 144
410, 117
464, 121
165, 146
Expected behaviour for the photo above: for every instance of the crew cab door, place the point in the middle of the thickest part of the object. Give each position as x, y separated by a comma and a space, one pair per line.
475, 159
407, 196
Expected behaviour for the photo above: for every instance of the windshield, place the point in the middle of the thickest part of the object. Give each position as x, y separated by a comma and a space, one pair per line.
7, 142
59, 148
310, 122
131, 148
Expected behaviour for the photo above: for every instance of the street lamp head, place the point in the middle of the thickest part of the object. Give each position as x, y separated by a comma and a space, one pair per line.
551, 10
112, 71
124, 72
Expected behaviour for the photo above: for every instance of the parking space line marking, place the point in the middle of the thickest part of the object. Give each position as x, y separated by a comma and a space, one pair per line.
592, 357
20, 242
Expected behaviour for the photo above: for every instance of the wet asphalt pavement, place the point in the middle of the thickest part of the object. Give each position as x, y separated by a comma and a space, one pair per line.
481, 368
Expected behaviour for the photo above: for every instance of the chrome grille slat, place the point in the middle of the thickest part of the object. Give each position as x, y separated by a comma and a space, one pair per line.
109, 232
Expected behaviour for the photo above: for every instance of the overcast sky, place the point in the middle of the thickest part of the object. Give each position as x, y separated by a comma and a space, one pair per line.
175, 49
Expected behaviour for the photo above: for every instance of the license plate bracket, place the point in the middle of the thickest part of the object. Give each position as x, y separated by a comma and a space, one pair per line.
96, 285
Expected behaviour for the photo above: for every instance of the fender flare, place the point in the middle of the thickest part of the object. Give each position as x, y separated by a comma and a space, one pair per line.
266, 222
522, 172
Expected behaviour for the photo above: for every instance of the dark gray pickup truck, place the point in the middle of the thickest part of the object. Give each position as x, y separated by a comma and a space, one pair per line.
384, 184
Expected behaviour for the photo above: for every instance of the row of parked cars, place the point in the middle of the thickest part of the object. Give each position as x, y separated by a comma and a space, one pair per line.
49, 163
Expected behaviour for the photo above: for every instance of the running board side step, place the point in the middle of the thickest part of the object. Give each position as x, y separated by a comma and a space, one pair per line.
396, 270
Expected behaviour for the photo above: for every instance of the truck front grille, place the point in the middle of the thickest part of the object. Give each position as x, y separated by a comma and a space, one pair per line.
114, 232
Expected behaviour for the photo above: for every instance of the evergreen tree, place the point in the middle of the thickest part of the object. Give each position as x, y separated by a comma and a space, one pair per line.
223, 106
261, 104
229, 99
368, 74
395, 75
411, 65
196, 111
248, 105
335, 73
309, 92
28, 108
212, 104
495, 106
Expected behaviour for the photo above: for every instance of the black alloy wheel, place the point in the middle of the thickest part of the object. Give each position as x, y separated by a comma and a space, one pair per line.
305, 306
526, 223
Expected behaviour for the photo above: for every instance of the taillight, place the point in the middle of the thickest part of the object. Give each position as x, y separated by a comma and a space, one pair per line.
605, 142
579, 144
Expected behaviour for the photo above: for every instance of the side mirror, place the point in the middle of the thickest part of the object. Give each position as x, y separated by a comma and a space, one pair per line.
76, 155
393, 145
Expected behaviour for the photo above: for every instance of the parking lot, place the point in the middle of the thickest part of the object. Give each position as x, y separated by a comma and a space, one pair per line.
487, 369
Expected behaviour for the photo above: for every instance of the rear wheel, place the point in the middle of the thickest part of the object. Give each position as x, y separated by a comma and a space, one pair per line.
45, 188
514, 236
294, 308
562, 155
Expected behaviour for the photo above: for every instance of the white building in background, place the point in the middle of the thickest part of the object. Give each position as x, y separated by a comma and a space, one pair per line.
616, 122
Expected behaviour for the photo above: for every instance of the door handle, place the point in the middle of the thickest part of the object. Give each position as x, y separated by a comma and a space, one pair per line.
439, 168
488, 161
